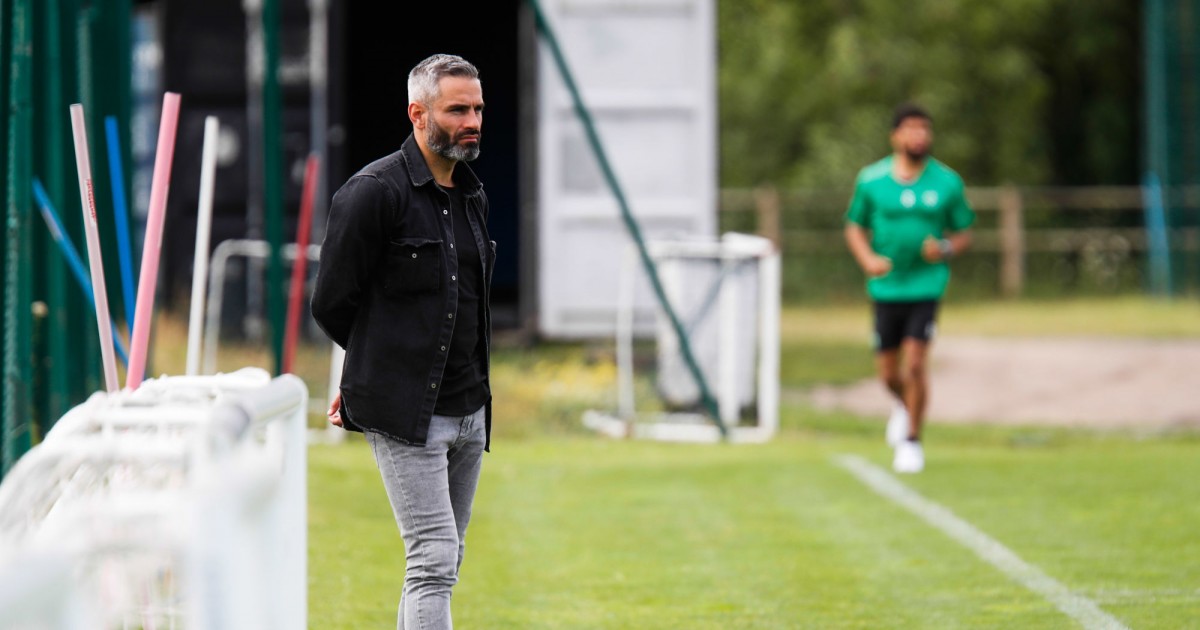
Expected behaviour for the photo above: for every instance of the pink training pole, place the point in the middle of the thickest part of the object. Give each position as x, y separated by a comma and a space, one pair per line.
148, 280
83, 165
300, 267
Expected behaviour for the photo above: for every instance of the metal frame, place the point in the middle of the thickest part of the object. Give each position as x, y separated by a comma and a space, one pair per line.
246, 248
693, 427
222, 521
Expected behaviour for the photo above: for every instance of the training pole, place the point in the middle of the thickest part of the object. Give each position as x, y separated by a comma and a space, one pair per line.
121, 214
84, 167
152, 246
67, 249
208, 168
300, 266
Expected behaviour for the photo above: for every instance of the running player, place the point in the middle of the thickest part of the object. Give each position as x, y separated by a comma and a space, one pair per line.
907, 219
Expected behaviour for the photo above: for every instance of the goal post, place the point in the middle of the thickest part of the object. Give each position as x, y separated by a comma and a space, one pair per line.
726, 294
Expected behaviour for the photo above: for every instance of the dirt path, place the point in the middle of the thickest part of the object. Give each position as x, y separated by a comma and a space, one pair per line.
1069, 382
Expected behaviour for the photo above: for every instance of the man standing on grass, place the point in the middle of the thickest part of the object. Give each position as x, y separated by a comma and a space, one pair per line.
907, 219
403, 286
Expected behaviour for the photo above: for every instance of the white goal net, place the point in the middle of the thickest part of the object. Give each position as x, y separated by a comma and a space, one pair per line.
725, 294
179, 505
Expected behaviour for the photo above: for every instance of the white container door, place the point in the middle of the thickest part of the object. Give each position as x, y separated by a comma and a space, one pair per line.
647, 72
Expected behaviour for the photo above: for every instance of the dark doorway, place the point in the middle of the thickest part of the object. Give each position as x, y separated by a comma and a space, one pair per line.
374, 45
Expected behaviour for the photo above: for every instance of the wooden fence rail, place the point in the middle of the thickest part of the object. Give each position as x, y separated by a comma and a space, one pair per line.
1011, 239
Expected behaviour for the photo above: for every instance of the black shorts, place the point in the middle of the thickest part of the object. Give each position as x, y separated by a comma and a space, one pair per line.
895, 321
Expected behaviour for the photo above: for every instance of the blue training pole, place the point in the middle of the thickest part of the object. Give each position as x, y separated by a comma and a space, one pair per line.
121, 212
1157, 239
50, 216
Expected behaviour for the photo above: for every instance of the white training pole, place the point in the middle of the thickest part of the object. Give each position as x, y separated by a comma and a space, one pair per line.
208, 168
626, 404
728, 405
769, 287
84, 167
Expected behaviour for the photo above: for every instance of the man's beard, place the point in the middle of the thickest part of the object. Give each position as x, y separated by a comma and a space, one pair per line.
441, 143
917, 155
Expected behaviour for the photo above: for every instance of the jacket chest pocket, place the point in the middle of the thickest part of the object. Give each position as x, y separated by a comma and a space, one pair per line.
414, 265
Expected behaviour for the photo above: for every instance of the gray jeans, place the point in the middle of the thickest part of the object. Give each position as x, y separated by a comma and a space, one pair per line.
431, 489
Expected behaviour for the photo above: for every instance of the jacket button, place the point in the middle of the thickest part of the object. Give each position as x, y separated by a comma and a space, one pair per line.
451, 245
454, 277
443, 348
433, 386
414, 255
445, 212
449, 315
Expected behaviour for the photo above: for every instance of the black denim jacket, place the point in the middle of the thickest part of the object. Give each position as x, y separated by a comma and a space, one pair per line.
386, 290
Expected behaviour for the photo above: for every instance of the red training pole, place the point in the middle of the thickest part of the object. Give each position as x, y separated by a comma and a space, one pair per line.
300, 267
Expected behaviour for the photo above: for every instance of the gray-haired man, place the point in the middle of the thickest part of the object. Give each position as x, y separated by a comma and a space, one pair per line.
403, 286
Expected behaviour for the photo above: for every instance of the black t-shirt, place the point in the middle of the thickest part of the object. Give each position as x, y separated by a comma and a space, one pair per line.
464, 388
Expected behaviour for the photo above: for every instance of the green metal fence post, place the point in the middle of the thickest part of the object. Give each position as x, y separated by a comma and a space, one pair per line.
1156, 155
273, 176
7, 297
73, 72
50, 164
106, 88
17, 413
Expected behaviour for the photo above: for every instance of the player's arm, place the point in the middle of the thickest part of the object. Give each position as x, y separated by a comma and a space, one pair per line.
947, 247
956, 237
871, 263
860, 246
858, 216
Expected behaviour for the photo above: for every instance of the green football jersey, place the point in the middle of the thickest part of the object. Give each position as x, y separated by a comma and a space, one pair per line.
900, 216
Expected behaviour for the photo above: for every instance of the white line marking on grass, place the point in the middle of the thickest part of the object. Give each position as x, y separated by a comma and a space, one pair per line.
1082, 609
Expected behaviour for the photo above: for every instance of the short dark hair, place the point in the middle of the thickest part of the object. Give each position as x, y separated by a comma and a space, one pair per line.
423, 81
905, 111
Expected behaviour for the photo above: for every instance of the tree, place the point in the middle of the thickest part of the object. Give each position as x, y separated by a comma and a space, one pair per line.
1027, 91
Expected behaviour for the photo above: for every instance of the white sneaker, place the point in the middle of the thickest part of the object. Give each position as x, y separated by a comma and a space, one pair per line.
897, 426
910, 457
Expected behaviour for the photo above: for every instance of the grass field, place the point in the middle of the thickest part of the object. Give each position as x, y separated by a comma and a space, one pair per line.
587, 533
573, 531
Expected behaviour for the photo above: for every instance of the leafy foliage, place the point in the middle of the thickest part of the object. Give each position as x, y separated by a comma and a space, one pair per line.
1026, 91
